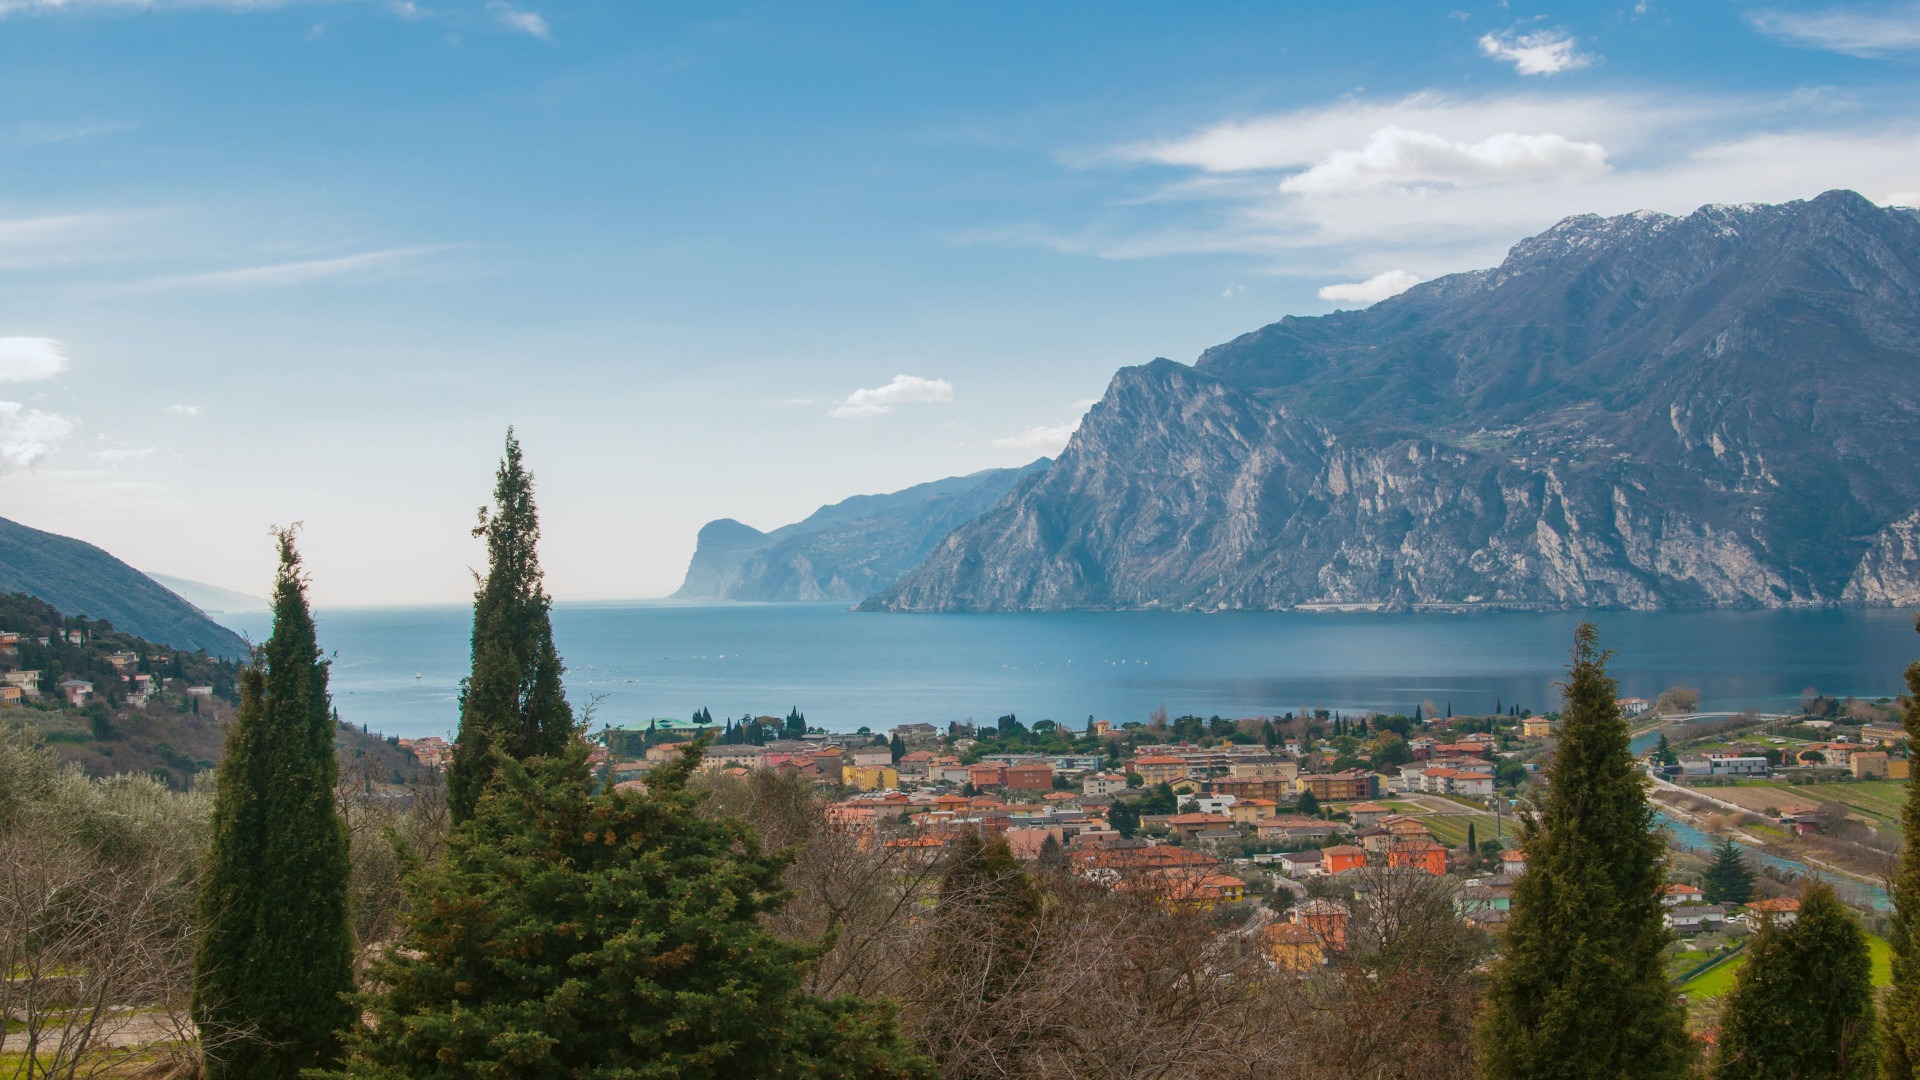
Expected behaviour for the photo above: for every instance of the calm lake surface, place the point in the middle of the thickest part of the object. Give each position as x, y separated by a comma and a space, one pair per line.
845, 670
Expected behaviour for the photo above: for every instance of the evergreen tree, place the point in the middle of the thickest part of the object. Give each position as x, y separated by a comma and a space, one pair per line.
1802, 1005
1473, 845
1901, 1034
1124, 818
573, 934
275, 955
1728, 880
512, 703
1307, 804
1585, 937
898, 747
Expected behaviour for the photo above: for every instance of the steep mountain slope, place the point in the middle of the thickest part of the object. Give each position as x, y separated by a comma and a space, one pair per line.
81, 579
1642, 411
844, 551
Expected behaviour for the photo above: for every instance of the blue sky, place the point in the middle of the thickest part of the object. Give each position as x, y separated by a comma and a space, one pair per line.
264, 262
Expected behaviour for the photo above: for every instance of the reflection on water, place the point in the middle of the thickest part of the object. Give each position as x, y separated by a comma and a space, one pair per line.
1854, 892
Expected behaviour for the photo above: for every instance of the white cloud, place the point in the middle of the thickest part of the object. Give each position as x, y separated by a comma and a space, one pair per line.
300, 272
522, 22
1219, 193
1539, 52
1853, 30
1301, 137
28, 435
1373, 290
114, 457
1040, 440
29, 359
184, 410
1397, 156
880, 400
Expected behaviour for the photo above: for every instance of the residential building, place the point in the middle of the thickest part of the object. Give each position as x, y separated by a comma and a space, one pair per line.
1725, 766
1780, 910
1103, 784
915, 733
76, 691
9, 641
986, 775
1160, 768
28, 682
873, 757
1274, 788
1326, 918
1301, 864
1477, 784
915, 764
1292, 946
1693, 918
870, 777
1187, 826
1276, 767
1341, 786
1367, 814
1513, 862
1343, 857
1869, 764
1030, 776
1535, 727
1883, 733
1633, 706
1214, 804
1424, 855
10, 696
1675, 894
1251, 811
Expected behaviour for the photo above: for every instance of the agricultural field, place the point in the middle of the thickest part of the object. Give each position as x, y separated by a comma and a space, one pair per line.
1877, 801
1715, 982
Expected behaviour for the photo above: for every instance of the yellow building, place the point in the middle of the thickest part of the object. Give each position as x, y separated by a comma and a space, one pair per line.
870, 777
1536, 727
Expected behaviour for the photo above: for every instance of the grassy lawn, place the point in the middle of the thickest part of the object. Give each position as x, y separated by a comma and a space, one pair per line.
1880, 800
1716, 982
1450, 830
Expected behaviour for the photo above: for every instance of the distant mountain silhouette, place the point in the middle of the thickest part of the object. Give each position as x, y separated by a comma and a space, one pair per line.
845, 551
80, 579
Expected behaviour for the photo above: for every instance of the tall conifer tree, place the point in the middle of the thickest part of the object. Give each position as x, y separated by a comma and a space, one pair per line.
1901, 1035
276, 953
1803, 1004
512, 701
570, 933
1581, 989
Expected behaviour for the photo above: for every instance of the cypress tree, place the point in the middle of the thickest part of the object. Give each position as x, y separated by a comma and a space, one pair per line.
1803, 1003
1901, 1036
570, 933
1728, 879
1473, 845
1581, 989
512, 702
275, 957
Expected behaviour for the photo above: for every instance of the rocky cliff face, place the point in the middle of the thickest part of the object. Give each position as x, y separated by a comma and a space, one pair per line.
1643, 411
844, 551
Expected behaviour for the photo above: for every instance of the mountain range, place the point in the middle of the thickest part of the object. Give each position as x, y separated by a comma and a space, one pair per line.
79, 579
846, 551
1643, 411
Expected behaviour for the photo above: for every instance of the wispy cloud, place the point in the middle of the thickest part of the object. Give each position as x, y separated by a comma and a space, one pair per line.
299, 272
29, 435
531, 23
43, 132
1857, 31
880, 400
116, 455
1433, 183
1537, 52
184, 410
1371, 291
11, 7
1395, 155
1047, 439
30, 359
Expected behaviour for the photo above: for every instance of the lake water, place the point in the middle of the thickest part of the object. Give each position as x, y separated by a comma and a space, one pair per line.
844, 670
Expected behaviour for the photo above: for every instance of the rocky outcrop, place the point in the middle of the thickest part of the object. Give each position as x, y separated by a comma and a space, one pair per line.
1641, 412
